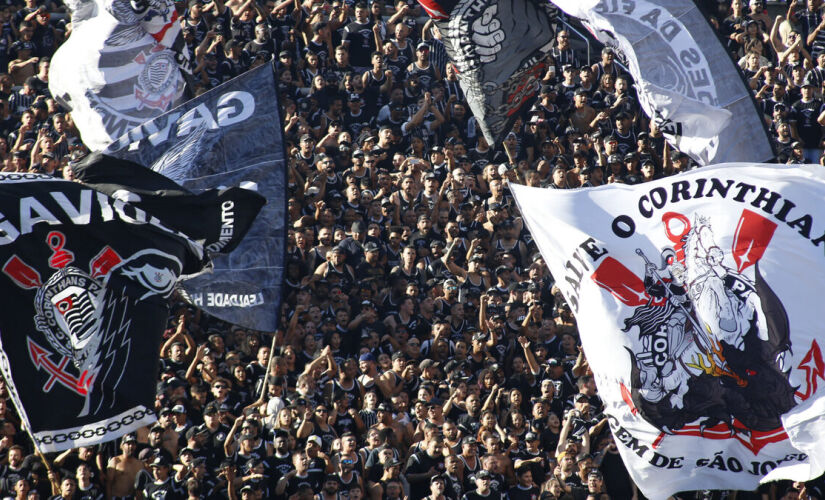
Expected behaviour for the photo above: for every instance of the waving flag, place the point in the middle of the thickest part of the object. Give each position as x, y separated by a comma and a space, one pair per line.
228, 136
499, 49
696, 299
685, 79
120, 67
85, 281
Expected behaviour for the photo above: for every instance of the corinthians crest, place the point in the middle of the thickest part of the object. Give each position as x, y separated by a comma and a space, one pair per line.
83, 322
709, 336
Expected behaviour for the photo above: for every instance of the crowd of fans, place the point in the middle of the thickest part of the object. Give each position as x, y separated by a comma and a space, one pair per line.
425, 351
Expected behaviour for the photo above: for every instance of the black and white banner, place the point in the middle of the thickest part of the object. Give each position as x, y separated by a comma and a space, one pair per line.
228, 136
499, 50
685, 79
697, 298
85, 278
120, 67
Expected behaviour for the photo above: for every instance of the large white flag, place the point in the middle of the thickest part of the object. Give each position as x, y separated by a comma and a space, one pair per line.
698, 301
120, 67
685, 79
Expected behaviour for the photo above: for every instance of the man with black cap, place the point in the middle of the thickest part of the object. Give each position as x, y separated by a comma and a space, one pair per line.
356, 118
372, 266
808, 119
797, 156
606, 66
353, 245
632, 174
156, 439
558, 178
422, 68
483, 480
471, 463
533, 457
582, 114
163, 486
623, 131
615, 168
438, 488
213, 430
122, 469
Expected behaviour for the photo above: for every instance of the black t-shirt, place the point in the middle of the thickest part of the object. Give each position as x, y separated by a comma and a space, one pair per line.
243, 31
252, 48
807, 126
539, 470
475, 495
281, 465
319, 49
167, 490
418, 464
93, 493
519, 493
22, 49
361, 43
9, 476
312, 479
616, 477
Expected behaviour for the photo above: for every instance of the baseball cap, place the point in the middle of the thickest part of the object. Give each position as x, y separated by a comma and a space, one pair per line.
428, 363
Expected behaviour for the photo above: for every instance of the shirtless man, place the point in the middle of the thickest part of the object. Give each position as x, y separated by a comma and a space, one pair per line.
122, 470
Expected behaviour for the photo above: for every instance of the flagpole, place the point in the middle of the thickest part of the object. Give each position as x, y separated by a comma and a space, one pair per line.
265, 385
46, 461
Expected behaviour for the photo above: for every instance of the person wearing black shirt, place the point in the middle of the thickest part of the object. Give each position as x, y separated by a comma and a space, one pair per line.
533, 458
483, 490
68, 488
525, 489
164, 487
86, 489
298, 477
262, 42
809, 115
422, 466
15, 470
359, 39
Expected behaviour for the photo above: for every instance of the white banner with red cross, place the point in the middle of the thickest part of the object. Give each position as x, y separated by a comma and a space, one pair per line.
698, 299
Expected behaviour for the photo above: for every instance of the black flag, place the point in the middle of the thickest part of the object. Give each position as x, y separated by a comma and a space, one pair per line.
499, 49
85, 281
226, 137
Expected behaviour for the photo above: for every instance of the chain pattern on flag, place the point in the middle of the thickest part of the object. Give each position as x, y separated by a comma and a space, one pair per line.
100, 430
